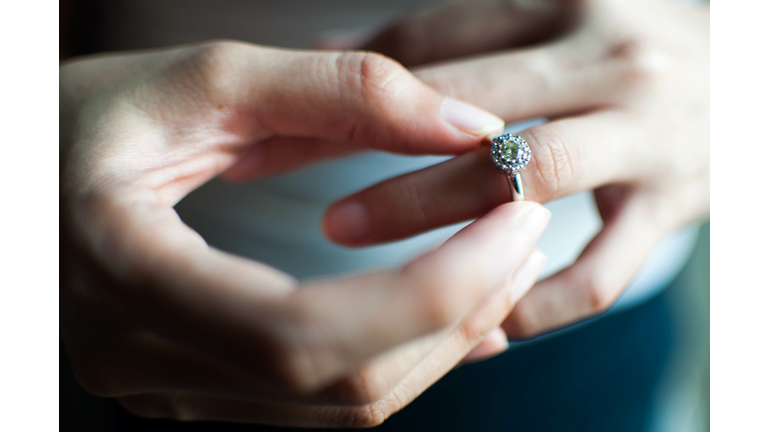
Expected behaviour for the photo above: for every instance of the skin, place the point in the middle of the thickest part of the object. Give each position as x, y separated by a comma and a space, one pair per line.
171, 327
174, 328
626, 87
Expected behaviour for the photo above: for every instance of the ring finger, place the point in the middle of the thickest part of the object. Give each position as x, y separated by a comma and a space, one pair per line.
569, 155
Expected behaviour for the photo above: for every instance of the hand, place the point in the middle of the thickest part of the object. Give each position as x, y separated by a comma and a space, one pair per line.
626, 84
174, 328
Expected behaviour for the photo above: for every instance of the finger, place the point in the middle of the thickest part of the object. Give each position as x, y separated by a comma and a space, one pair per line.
463, 28
568, 156
206, 104
600, 274
144, 363
388, 382
461, 341
495, 342
187, 406
318, 105
563, 78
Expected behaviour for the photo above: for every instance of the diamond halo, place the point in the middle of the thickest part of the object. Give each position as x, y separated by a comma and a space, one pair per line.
510, 153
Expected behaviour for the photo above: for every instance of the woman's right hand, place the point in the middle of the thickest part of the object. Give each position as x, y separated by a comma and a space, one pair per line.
174, 328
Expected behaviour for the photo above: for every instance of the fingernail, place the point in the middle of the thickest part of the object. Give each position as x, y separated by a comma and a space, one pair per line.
349, 223
470, 118
526, 275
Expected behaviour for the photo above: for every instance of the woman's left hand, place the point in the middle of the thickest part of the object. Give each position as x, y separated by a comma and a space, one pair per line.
626, 84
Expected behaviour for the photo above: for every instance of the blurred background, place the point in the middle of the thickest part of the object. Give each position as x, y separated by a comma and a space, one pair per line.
276, 220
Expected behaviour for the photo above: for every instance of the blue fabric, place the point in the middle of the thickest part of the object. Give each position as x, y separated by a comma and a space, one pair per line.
598, 377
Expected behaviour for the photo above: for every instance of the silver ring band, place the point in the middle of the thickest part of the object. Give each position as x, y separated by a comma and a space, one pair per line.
515, 187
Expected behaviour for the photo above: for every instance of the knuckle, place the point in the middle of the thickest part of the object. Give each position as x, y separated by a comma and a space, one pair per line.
213, 67
555, 159
642, 63
371, 75
367, 82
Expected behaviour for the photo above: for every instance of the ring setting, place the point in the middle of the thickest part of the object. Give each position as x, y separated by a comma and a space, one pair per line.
511, 154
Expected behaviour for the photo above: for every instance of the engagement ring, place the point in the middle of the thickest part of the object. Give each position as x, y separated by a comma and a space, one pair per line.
510, 153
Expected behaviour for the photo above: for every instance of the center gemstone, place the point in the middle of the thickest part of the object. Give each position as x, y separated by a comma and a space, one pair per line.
510, 149
510, 153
